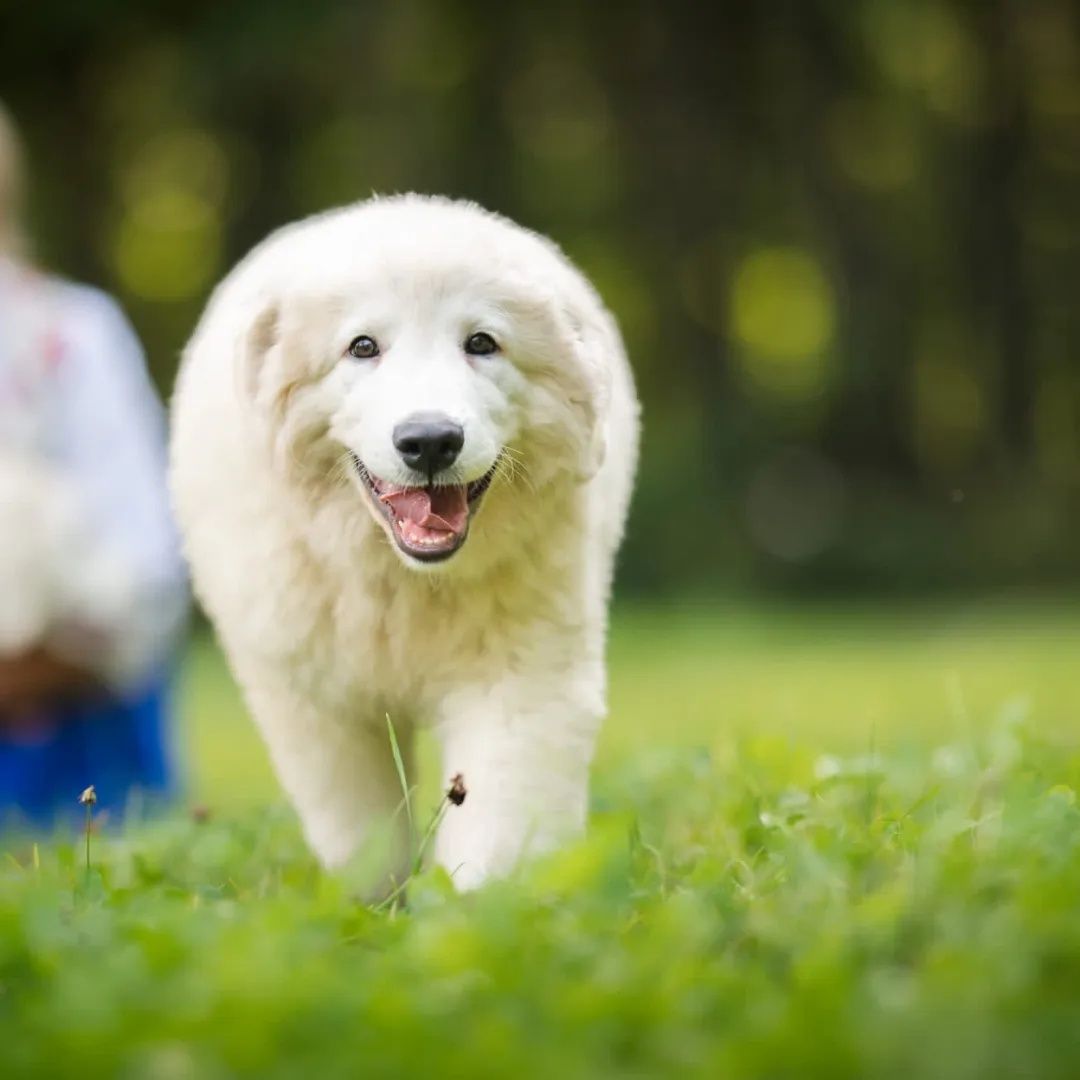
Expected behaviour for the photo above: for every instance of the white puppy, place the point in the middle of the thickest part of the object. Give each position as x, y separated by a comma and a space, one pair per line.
404, 444
56, 583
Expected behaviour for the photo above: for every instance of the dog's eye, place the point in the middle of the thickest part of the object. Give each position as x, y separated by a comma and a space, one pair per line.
480, 344
363, 348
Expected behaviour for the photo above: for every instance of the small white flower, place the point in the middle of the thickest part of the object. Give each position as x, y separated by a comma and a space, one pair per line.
827, 766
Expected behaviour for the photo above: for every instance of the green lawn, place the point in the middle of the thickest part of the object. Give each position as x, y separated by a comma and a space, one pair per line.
826, 678
825, 843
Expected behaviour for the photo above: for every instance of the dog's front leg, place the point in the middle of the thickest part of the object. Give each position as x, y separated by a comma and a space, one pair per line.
339, 772
523, 749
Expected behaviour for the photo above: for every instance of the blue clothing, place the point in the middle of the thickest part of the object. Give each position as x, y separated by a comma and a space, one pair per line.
121, 747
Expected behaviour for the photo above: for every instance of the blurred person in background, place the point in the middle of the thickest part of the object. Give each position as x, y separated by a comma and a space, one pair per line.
93, 592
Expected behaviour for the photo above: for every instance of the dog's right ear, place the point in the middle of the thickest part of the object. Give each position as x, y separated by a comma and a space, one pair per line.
259, 333
268, 378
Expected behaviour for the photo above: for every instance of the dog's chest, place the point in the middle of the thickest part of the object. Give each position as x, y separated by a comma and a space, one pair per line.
410, 642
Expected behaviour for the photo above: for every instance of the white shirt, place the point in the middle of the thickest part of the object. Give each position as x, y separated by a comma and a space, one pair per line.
75, 395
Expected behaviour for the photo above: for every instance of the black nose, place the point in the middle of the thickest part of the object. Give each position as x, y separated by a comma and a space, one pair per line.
429, 442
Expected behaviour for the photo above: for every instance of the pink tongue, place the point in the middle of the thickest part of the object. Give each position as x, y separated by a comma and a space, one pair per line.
442, 509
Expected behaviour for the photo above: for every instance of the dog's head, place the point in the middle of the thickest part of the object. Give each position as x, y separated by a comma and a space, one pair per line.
433, 356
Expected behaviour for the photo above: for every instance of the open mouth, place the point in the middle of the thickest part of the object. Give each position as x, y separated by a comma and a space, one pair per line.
427, 523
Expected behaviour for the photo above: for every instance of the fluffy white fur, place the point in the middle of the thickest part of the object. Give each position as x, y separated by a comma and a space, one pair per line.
328, 626
50, 596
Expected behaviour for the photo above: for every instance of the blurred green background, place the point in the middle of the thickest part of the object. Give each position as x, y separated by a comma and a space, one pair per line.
842, 238
731, 679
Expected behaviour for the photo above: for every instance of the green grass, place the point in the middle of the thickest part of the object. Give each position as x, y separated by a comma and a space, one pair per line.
824, 843
830, 678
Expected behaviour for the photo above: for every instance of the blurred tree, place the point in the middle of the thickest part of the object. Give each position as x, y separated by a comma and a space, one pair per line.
842, 236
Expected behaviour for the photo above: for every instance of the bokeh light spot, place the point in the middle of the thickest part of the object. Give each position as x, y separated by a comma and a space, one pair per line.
167, 246
795, 505
927, 48
187, 157
783, 312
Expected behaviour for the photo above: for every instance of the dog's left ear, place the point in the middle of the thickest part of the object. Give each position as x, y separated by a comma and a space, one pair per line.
595, 341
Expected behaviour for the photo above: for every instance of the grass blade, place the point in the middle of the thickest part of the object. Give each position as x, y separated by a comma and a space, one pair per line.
399, 765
